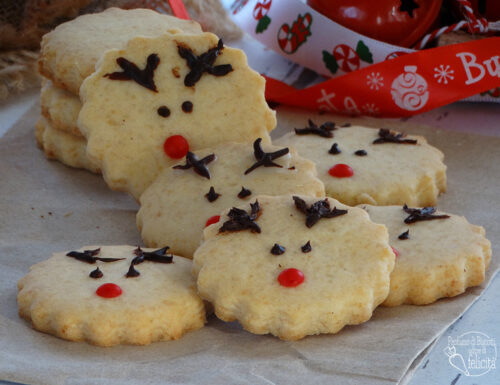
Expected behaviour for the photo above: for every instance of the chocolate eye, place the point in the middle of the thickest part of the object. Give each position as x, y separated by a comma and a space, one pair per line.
96, 273
187, 106
306, 247
132, 272
277, 249
164, 112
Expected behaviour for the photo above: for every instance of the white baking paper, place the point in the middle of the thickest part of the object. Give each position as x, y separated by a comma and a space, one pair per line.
47, 207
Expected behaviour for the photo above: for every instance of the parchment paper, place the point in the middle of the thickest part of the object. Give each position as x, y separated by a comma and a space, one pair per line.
47, 207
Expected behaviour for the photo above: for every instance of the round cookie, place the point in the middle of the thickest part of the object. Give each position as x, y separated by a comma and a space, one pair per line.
176, 207
435, 257
60, 108
70, 52
364, 165
294, 266
184, 86
84, 296
66, 148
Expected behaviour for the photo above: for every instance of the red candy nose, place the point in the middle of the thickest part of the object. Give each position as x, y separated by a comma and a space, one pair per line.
291, 277
109, 290
395, 251
212, 220
341, 170
176, 146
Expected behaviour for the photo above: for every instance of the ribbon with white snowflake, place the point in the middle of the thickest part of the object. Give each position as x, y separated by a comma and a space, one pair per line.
405, 86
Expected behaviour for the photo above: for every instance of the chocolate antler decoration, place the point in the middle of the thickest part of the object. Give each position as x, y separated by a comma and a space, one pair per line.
132, 72
241, 220
199, 165
203, 63
325, 130
89, 256
158, 256
265, 158
423, 214
388, 136
318, 210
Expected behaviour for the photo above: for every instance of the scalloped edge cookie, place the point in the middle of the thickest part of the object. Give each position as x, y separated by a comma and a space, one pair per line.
437, 258
73, 300
345, 271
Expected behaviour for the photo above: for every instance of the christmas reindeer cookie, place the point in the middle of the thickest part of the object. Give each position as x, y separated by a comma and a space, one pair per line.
112, 295
437, 254
149, 104
365, 165
185, 198
294, 266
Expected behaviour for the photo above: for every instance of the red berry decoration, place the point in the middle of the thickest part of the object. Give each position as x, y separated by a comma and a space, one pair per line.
291, 277
395, 251
341, 170
212, 220
176, 146
109, 290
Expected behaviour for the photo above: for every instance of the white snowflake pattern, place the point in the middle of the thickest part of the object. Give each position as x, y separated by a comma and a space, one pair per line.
370, 109
374, 81
442, 74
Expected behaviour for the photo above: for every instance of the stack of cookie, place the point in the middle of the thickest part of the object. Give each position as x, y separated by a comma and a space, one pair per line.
151, 88
69, 55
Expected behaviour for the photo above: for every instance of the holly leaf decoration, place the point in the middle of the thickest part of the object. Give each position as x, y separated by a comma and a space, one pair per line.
330, 62
364, 52
263, 24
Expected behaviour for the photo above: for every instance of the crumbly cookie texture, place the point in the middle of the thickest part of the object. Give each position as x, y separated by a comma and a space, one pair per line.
62, 146
436, 257
345, 260
130, 109
59, 296
385, 173
70, 52
60, 108
175, 208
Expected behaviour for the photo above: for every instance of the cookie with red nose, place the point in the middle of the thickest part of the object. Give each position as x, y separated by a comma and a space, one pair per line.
112, 295
437, 254
375, 166
151, 103
294, 266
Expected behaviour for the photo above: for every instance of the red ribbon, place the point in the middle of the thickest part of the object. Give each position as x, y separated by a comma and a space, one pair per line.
178, 9
403, 86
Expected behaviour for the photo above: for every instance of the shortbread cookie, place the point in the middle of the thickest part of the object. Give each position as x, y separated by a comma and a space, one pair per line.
112, 295
176, 207
365, 165
60, 108
294, 266
437, 254
146, 105
66, 148
69, 53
